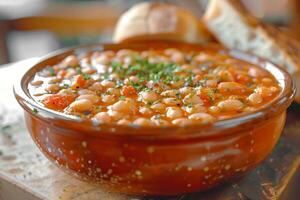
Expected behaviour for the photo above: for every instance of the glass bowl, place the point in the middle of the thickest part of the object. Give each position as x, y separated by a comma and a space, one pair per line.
156, 160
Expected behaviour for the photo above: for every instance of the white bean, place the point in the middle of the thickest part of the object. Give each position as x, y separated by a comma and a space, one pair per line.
203, 118
192, 99
170, 93
52, 88
123, 122
160, 122
92, 97
182, 122
186, 90
108, 99
143, 122
172, 101
107, 83
150, 96
70, 61
36, 83
230, 105
115, 115
255, 99
122, 107
96, 86
85, 91
173, 112
114, 91
231, 88
145, 111
81, 105
266, 91
103, 117
159, 107
195, 108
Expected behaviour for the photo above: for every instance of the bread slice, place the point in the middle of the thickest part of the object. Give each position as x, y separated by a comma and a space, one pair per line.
151, 21
235, 27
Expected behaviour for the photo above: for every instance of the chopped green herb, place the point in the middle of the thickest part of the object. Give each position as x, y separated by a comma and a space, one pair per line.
35, 110
122, 98
157, 117
211, 95
65, 85
86, 76
51, 70
98, 108
78, 70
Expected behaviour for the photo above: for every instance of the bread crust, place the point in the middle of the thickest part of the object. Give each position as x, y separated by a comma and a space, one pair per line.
235, 27
149, 21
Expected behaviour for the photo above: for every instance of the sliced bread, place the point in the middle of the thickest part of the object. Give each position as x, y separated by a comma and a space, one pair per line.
235, 27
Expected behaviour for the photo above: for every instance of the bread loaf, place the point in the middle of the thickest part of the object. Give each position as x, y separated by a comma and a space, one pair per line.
235, 27
151, 21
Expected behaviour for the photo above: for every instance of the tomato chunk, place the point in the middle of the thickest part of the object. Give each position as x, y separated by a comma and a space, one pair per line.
79, 82
128, 91
57, 101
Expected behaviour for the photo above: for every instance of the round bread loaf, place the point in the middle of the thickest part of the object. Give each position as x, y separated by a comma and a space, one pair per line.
151, 21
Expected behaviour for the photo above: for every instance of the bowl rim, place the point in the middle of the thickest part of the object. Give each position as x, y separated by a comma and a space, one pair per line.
277, 105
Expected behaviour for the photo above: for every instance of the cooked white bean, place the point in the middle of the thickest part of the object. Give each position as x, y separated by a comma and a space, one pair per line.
109, 99
70, 61
192, 99
123, 107
160, 122
174, 112
182, 122
66, 92
150, 96
195, 108
115, 115
230, 105
172, 101
145, 111
123, 122
214, 110
158, 107
266, 91
107, 83
92, 97
37, 83
96, 86
81, 105
255, 99
143, 122
52, 88
231, 88
113, 91
103, 117
170, 93
186, 90
85, 91
203, 118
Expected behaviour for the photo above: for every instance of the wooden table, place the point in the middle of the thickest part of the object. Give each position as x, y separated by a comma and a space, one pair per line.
25, 174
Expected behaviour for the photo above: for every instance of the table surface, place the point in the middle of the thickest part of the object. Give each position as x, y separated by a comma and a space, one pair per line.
25, 174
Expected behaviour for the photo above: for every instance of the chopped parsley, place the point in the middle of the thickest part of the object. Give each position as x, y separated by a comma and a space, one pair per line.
86, 76
78, 70
122, 98
51, 70
35, 110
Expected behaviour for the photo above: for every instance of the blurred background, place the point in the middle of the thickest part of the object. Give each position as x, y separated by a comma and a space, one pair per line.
30, 28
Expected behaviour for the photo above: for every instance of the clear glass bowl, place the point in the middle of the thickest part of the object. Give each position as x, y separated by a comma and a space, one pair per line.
156, 160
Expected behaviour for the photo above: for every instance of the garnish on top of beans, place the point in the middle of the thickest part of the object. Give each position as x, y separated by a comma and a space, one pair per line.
154, 87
